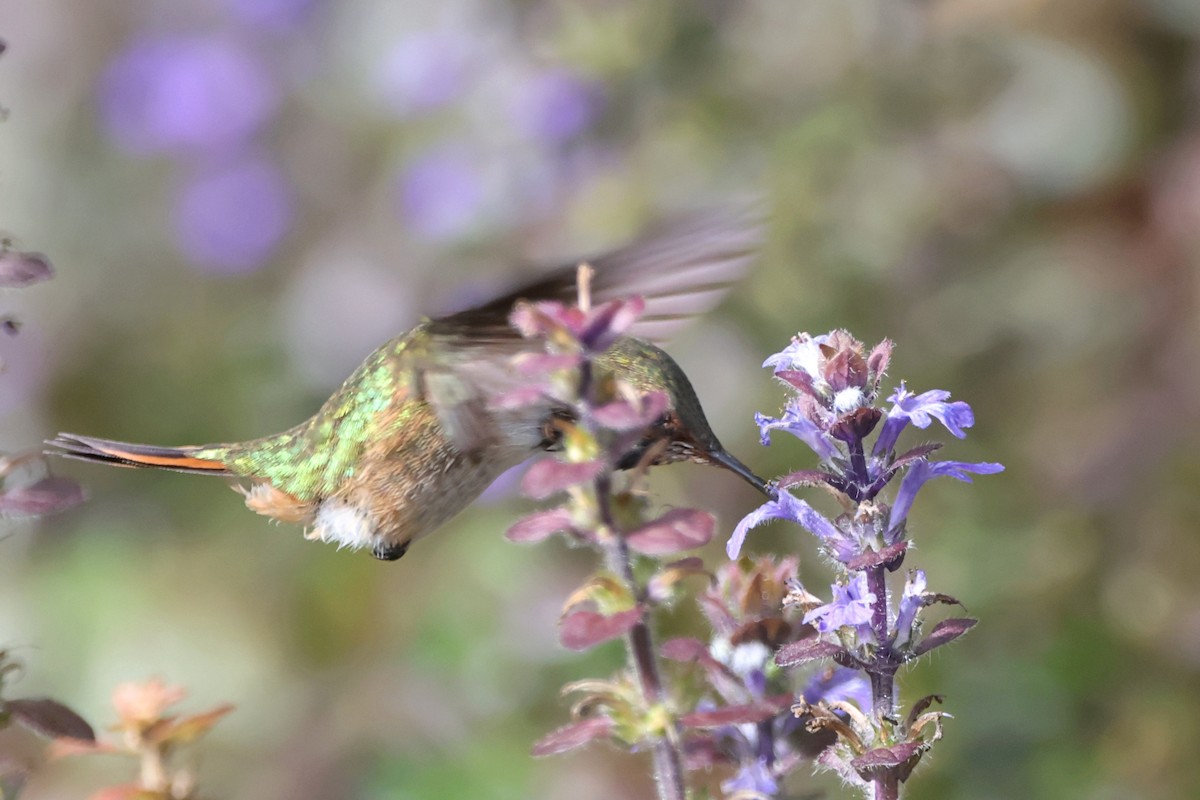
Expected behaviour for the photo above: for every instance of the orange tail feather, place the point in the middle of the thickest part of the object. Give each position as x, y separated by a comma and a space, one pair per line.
126, 454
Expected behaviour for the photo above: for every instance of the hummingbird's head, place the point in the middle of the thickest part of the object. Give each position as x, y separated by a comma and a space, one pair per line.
670, 440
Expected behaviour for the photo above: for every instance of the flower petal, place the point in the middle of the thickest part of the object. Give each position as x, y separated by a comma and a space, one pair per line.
923, 471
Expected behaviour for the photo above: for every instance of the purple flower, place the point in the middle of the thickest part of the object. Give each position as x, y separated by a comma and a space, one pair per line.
424, 71
273, 16
787, 506
922, 471
910, 603
170, 93
754, 776
851, 607
556, 106
829, 368
796, 423
595, 330
441, 193
921, 410
839, 685
231, 219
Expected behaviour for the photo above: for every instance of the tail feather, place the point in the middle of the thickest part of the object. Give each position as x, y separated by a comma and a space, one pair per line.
126, 454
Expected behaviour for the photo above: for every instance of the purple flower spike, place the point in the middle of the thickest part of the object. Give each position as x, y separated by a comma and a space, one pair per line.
921, 410
851, 607
785, 506
923, 471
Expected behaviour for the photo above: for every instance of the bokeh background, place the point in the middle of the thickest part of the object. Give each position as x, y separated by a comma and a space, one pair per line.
244, 197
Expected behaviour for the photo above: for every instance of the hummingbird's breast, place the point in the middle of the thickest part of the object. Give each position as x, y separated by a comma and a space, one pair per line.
409, 480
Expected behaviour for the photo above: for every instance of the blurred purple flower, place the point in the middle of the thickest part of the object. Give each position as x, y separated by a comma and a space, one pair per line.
441, 193
169, 93
273, 16
557, 105
425, 71
230, 220
851, 607
754, 776
839, 685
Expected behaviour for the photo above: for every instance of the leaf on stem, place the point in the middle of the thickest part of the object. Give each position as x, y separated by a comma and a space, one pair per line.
804, 651
50, 718
539, 526
580, 630
548, 477
944, 632
570, 737
678, 529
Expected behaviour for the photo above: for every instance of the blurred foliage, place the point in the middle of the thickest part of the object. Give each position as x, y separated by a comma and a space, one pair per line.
242, 198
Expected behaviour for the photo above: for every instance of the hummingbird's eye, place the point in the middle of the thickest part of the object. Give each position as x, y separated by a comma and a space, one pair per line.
390, 552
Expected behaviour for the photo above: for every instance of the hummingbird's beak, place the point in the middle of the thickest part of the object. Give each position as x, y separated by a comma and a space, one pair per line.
725, 459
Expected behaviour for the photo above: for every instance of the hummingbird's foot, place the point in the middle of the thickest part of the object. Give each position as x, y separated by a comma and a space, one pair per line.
390, 552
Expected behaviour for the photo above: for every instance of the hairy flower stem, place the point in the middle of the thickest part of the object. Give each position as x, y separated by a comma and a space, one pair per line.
639, 645
883, 673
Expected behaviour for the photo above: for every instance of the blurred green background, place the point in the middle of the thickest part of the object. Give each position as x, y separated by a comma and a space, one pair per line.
244, 197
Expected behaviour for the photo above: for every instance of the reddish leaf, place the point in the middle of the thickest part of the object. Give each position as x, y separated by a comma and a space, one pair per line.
549, 477
678, 529
540, 525
890, 556
50, 718
899, 758
683, 648
885, 757
18, 270
806, 650
730, 715
944, 632
625, 415
580, 630
806, 477
47, 496
569, 737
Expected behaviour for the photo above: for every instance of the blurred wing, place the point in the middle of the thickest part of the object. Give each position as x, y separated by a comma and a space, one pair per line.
681, 268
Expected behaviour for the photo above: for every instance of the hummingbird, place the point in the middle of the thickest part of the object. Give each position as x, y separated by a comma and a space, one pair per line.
410, 439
